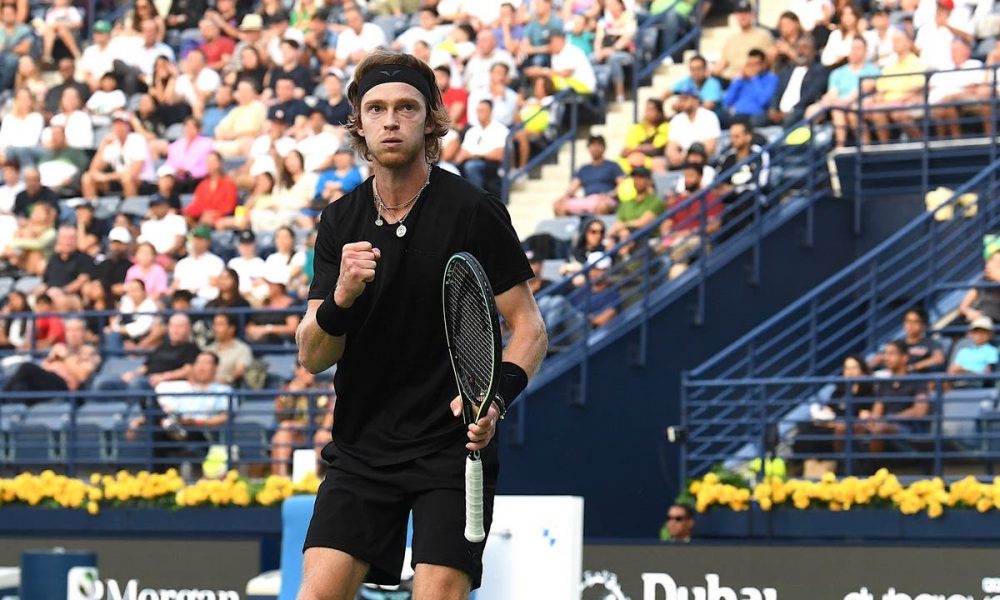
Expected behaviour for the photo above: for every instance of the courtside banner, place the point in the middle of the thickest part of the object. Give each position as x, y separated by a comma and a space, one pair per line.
756, 572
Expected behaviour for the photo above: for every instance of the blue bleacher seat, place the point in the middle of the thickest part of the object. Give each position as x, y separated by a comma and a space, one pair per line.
186, 200
26, 285
6, 285
107, 207
666, 183
962, 408
32, 444
281, 365
562, 228
136, 205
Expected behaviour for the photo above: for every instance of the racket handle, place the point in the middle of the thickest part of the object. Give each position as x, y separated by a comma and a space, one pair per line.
474, 500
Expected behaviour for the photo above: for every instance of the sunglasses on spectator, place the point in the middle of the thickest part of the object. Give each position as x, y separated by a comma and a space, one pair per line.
676, 517
595, 231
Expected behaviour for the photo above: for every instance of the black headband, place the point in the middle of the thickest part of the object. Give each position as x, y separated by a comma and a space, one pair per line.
399, 74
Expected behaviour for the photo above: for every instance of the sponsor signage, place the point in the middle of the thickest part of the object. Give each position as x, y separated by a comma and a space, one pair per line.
756, 572
84, 583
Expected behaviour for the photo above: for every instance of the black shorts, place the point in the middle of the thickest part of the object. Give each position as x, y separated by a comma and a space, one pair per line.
363, 511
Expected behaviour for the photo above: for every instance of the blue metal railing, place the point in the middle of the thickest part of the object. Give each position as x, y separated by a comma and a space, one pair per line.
852, 312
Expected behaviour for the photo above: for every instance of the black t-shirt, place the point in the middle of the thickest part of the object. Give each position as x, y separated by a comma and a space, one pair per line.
897, 396
169, 357
24, 200
293, 109
59, 271
394, 381
336, 114
922, 350
111, 271
300, 75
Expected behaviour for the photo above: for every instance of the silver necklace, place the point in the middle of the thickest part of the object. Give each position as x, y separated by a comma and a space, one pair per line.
381, 206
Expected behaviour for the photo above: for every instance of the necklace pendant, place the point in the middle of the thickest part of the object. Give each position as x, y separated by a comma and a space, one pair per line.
401, 230
378, 221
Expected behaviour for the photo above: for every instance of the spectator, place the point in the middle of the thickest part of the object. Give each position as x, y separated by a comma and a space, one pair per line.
680, 523
933, 42
504, 99
984, 301
879, 38
743, 189
650, 135
121, 163
240, 127
15, 331
696, 155
67, 367
230, 295
958, 87
838, 46
138, 67
247, 264
187, 156
615, 43
643, 209
67, 268
197, 82
250, 67
106, 100
290, 68
483, 149
812, 14
600, 301
785, 51
34, 194
15, 42
12, 186
750, 94
477, 69
75, 122
198, 271
693, 124
924, 354
143, 10
898, 92
96, 60
60, 165
268, 150
184, 408
216, 48
591, 238
234, 354
427, 30
341, 179
901, 406
800, 85
597, 180
67, 75
21, 130
88, 229
842, 92
112, 268
979, 356
261, 211
357, 40
182, 16
454, 99
172, 360
274, 324
49, 327
33, 241
335, 108
685, 233
296, 110
736, 50
132, 328
62, 24
214, 198
216, 112
148, 271
298, 414
571, 69
149, 122
709, 89
534, 52
164, 229
295, 187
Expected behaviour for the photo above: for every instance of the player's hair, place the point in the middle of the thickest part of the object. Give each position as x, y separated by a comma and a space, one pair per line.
437, 114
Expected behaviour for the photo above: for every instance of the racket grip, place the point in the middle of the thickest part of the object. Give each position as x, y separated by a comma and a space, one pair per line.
474, 500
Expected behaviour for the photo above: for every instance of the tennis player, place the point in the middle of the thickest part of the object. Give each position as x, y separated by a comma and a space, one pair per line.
375, 309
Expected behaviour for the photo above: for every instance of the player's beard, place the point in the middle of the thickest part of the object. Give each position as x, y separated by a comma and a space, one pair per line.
393, 158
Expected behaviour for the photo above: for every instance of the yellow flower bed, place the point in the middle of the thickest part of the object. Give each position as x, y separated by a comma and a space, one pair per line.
147, 490
882, 489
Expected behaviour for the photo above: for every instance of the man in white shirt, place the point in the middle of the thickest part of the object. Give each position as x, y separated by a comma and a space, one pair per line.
145, 56
357, 40
247, 264
319, 142
164, 228
260, 158
12, 186
120, 163
428, 30
959, 86
197, 83
199, 270
477, 69
97, 58
571, 69
503, 98
933, 43
691, 124
482, 150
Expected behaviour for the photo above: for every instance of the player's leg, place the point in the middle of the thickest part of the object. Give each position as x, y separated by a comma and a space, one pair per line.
329, 574
437, 582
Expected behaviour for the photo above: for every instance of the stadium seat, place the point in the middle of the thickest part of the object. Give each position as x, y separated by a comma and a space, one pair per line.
186, 200
32, 444
666, 183
114, 367
6, 285
551, 269
562, 228
961, 411
107, 207
136, 205
26, 285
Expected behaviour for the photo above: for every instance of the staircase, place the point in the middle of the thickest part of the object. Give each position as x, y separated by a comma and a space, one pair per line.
531, 198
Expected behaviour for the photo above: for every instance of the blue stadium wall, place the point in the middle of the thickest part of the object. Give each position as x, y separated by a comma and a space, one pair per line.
612, 448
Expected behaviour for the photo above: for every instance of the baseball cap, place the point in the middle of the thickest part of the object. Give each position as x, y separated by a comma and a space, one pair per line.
743, 6
246, 237
276, 274
102, 27
121, 115
157, 199
641, 172
690, 89
120, 234
202, 231
946, 4
277, 113
984, 323
600, 260
166, 171
252, 22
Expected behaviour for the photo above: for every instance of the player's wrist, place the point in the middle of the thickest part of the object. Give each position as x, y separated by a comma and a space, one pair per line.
333, 318
513, 380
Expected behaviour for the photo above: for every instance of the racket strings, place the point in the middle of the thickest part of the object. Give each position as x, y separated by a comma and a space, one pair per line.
472, 333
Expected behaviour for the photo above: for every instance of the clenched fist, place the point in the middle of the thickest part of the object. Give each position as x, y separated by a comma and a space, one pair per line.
357, 269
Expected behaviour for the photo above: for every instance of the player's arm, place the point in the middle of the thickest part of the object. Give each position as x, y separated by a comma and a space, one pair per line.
528, 340
318, 351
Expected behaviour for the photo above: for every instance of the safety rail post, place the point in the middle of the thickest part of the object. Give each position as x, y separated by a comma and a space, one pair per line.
72, 440
850, 403
685, 381
811, 185
859, 143
938, 423
574, 124
813, 334
932, 267
873, 301
925, 155
761, 399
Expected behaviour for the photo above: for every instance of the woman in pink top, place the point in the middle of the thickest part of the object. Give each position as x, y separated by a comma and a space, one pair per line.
147, 270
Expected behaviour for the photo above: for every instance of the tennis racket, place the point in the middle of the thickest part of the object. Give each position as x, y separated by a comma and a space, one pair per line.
472, 329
